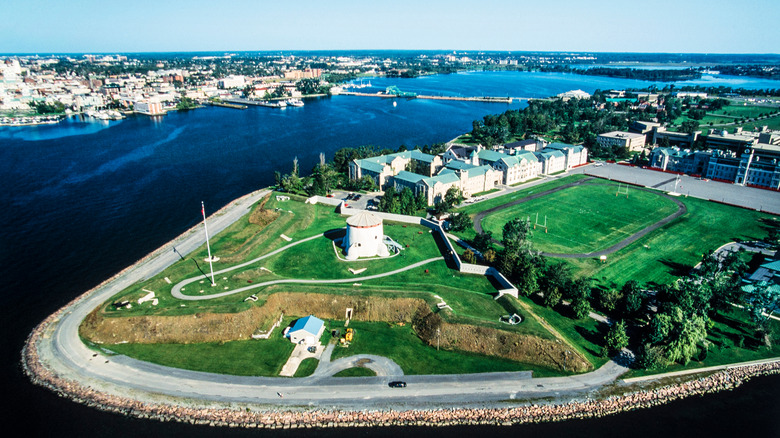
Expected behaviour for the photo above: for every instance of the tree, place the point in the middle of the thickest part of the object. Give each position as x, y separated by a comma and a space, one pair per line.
762, 301
687, 333
632, 301
607, 299
490, 256
482, 241
460, 222
469, 256
580, 297
515, 235
689, 126
554, 281
616, 339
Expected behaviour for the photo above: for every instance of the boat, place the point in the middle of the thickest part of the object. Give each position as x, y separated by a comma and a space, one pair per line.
279, 104
294, 102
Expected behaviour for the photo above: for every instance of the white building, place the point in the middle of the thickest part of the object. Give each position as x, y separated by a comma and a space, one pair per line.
306, 331
631, 141
365, 236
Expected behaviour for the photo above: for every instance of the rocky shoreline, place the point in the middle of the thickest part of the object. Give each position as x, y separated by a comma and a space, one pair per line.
280, 417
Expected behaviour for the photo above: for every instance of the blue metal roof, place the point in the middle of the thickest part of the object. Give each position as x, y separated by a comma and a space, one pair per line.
310, 324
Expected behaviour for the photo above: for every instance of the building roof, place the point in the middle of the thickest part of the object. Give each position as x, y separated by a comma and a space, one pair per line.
371, 165
772, 266
509, 161
310, 324
364, 219
459, 165
525, 155
444, 178
408, 177
621, 134
420, 156
490, 156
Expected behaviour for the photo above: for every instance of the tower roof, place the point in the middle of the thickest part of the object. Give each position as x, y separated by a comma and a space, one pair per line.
364, 219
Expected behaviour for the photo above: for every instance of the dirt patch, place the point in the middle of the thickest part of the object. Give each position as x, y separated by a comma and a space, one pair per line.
510, 345
215, 327
262, 217
494, 342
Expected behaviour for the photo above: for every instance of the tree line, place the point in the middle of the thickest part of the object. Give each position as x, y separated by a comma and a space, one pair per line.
670, 322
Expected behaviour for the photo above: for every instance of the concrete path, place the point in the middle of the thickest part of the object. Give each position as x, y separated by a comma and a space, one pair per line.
382, 366
176, 292
298, 355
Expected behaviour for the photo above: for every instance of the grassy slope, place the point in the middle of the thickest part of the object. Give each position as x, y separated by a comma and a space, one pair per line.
400, 344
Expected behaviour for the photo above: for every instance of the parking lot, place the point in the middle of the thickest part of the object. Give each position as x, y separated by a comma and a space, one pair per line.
358, 200
758, 199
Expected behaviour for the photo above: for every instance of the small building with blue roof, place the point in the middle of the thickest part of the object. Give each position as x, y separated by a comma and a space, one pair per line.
306, 330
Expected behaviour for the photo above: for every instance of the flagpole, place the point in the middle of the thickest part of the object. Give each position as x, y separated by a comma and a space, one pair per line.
206, 227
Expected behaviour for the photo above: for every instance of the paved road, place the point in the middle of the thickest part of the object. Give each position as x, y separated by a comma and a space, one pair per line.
61, 351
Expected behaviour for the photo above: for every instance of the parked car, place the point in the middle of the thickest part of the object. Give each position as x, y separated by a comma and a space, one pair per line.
397, 384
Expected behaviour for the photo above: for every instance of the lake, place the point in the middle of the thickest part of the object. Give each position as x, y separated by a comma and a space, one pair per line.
84, 199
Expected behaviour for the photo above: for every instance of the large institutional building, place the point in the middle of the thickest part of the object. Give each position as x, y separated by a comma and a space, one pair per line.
749, 158
471, 169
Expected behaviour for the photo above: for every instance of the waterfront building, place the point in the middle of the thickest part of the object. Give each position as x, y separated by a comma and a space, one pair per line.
631, 141
383, 167
149, 107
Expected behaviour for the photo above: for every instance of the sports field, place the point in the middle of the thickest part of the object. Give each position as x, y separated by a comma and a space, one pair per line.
584, 218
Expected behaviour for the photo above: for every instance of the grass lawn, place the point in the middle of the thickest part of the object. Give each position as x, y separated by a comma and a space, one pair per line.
501, 200
263, 357
732, 340
355, 372
672, 250
585, 334
400, 344
307, 367
584, 218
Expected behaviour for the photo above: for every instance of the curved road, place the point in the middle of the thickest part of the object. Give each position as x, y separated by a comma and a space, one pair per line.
61, 352
681, 210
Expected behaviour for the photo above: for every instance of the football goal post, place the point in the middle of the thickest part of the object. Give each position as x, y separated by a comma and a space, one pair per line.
622, 190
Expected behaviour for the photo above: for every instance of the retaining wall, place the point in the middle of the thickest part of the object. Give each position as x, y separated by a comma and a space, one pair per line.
435, 226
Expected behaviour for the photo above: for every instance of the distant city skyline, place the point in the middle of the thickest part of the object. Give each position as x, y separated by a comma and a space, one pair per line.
688, 26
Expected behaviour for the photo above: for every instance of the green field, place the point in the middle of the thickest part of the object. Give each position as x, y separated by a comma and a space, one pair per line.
263, 357
584, 218
673, 249
658, 257
730, 114
402, 345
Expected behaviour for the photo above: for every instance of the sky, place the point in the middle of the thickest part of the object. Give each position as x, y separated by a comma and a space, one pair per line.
669, 26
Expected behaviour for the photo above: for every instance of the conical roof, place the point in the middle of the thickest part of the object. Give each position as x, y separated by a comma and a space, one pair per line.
364, 219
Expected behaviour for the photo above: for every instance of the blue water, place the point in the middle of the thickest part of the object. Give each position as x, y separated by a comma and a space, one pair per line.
82, 200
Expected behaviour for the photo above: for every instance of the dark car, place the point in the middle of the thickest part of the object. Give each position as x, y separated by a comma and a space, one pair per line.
397, 384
